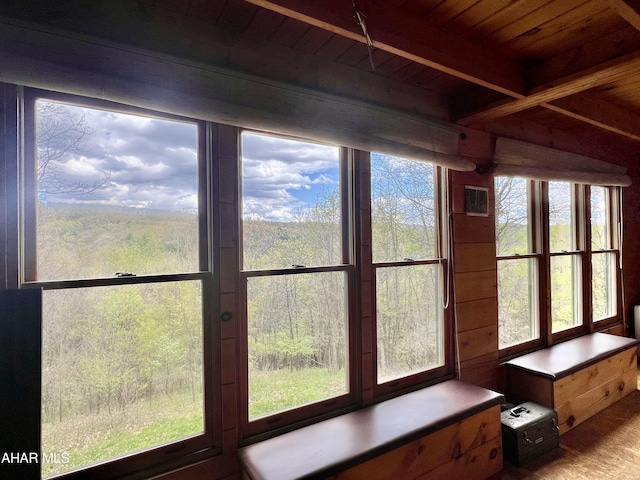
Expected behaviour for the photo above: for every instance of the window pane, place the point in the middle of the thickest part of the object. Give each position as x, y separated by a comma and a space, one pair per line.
565, 295
115, 193
402, 209
297, 338
409, 320
290, 203
512, 216
603, 280
517, 301
561, 223
599, 219
121, 370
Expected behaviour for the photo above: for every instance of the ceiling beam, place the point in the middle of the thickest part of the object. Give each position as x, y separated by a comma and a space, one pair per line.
418, 41
602, 74
410, 38
600, 113
629, 10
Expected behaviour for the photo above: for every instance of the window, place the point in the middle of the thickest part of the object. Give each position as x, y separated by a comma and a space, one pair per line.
332, 268
296, 268
516, 252
554, 249
604, 255
407, 262
115, 234
565, 258
299, 225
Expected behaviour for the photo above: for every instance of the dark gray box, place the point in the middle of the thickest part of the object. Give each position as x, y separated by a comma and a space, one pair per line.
528, 431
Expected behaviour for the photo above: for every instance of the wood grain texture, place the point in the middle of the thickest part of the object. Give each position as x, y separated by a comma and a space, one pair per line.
468, 449
478, 342
476, 314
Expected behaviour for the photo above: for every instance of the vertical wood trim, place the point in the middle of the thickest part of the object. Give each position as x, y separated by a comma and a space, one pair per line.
20, 384
9, 158
227, 248
367, 305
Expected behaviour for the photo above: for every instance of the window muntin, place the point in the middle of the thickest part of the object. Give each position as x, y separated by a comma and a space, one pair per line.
408, 273
518, 299
296, 272
113, 231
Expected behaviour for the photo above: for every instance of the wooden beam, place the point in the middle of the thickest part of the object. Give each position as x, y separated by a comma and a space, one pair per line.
410, 38
628, 10
594, 111
608, 72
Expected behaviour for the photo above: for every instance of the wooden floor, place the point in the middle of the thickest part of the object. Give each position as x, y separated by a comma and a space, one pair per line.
607, 446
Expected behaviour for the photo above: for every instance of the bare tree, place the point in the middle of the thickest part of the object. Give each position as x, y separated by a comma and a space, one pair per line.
62, 133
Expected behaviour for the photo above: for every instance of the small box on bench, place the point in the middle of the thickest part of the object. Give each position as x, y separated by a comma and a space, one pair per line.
528, 431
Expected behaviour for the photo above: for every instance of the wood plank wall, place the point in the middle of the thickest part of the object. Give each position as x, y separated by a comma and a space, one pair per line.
475, 277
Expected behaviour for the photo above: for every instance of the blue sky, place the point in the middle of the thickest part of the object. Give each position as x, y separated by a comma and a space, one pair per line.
151, 163
281, 177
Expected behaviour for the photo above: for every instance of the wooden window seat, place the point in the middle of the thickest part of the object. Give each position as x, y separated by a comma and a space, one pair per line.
448, 430
577, 378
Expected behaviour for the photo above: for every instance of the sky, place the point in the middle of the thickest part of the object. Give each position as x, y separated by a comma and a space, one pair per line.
151, 163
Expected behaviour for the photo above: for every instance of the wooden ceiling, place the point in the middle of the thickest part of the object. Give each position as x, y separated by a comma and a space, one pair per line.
568, 66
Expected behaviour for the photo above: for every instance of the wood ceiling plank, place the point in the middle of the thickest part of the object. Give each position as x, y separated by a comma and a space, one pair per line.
447, 11
615, 44
413, 39
264, 24
530, 23
566, 32
290, 32
627, 9
600, 113
620, 68
513, 12
313, 40
475, 15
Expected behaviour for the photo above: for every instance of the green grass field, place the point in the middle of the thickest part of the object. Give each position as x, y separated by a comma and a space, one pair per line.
94, 438
90, 439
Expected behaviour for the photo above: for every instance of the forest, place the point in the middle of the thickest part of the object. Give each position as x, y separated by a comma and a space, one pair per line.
517, 276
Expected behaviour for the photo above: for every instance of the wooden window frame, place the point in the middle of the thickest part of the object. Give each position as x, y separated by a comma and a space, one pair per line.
357, 265
183, 451
539, 205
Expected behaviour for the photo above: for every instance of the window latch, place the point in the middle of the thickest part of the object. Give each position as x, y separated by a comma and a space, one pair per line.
298, 266
125, 274
407, 259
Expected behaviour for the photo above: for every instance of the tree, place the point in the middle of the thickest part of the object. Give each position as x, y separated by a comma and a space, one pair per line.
61, 132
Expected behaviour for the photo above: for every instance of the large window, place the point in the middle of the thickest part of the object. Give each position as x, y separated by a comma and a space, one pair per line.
408, 269
516, 252
565, 257
547, 242
296, 269
299, 231
114, 233
604, 254
196, 274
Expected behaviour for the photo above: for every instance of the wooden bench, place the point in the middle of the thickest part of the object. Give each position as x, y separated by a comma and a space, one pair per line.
576, 378
448, 430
